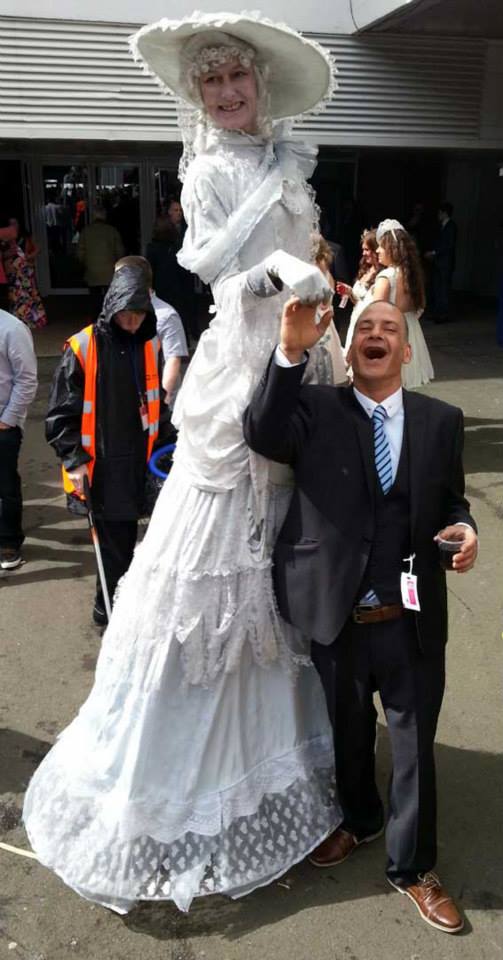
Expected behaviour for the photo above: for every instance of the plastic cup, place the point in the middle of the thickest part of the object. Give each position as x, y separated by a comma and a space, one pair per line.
448, 546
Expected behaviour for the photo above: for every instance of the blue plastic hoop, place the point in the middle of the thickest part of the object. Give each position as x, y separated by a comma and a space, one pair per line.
161, 452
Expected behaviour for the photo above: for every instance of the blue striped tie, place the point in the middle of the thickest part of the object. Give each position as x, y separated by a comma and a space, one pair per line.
384, 472
381, 449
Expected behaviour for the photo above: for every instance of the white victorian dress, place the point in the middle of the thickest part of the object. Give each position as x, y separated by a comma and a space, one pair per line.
202, 760
420, 369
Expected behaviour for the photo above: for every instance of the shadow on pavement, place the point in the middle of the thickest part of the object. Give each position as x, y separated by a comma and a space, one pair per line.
77, 567
470, 851
483, 446
466, 348
54, 537
79, 562
20, 755
470, 856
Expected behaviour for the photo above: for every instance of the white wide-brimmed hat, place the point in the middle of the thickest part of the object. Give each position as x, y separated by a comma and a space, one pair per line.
300, 72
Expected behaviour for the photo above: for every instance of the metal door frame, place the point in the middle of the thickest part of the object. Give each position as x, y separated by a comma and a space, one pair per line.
33, 192
33, 166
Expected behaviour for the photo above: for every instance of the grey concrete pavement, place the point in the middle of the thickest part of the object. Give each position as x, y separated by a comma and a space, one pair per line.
48, 651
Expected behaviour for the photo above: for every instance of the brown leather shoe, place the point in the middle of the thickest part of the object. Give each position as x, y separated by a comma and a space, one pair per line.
433, 902
338, 847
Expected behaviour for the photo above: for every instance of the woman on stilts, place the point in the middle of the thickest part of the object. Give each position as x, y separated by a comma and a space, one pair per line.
202, 760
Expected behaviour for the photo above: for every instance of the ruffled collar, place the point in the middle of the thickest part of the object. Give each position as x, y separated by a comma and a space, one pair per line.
294, 156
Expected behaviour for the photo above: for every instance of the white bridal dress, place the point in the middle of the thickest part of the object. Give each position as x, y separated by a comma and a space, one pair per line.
420, 369
362, 294
202, 760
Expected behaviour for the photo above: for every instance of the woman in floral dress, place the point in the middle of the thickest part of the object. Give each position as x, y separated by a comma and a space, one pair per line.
18, 257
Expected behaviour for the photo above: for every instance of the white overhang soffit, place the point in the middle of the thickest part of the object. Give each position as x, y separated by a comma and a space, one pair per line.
306, 15
367, 12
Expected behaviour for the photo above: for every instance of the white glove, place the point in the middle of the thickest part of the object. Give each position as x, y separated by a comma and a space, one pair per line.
305, 280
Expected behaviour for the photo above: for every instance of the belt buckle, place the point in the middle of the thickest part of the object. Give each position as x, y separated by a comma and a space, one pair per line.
359, 610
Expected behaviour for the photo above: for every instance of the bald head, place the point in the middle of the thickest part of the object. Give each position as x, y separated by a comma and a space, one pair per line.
382, 309
379, 348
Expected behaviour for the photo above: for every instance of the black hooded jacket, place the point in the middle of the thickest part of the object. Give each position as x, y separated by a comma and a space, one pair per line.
121, 443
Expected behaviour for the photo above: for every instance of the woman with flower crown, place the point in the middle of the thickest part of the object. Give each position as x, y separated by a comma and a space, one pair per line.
401, 281
202, 760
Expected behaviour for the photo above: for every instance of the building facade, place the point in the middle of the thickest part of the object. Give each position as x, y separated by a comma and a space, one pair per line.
417, 118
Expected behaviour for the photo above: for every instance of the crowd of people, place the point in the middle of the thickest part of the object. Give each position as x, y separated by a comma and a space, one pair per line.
230, 731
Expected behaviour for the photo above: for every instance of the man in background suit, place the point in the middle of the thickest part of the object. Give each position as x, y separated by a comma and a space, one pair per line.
443, 262
378, 475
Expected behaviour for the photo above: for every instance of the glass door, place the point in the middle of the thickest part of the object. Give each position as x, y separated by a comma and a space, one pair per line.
65, 214
167, 188
62, 195
117, 189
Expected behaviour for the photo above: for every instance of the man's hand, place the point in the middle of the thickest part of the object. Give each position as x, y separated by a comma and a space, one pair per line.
76, 476
465, 559
4, 426
299, 330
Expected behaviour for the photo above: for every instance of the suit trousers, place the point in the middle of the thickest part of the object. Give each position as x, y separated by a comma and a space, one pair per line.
441, 281
117, 542
385, 657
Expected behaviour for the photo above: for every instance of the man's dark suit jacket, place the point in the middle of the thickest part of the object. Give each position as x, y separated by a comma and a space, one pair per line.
323, 547
445, 248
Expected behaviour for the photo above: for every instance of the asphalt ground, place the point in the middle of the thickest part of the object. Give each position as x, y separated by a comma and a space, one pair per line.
48, 651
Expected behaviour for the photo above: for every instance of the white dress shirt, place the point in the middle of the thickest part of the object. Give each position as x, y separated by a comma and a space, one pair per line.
169, 329
18, 370
392, 424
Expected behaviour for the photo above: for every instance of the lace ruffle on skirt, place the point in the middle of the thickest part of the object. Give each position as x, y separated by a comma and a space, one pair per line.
244, 837
201, 760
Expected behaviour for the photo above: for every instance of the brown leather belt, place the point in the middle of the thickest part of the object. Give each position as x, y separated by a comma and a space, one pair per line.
363, 614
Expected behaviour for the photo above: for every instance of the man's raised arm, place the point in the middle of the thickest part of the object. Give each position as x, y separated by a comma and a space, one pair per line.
278, 420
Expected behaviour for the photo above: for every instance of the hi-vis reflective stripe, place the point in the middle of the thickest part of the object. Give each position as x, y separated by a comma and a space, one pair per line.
83, 345
152, 348
79, 344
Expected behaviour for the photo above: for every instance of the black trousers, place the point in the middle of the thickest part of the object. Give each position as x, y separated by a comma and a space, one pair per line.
441, 280
117, 542
11, 503
385, 657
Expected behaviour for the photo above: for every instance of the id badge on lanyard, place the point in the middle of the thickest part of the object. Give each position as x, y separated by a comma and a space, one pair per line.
143, 413
142, 405
408, 586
